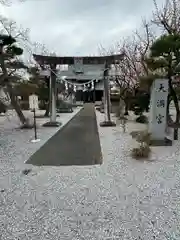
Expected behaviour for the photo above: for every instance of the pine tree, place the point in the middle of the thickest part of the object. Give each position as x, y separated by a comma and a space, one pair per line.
9, 64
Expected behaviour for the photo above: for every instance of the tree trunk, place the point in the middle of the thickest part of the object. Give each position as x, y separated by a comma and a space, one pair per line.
169, 119
120, 109
175, 100
25, 122
176, 103
126, 113
167, 110
15, 104
2, 65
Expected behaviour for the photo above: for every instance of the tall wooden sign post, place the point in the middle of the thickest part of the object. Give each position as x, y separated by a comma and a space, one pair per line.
34, 105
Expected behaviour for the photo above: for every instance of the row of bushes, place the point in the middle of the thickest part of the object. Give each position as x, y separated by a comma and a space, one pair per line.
25, 105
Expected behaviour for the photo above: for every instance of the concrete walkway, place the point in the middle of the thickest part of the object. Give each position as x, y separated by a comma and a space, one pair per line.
75, 144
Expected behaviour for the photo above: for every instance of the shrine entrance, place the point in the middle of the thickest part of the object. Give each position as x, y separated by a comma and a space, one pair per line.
88, 96
93, 96
78, 63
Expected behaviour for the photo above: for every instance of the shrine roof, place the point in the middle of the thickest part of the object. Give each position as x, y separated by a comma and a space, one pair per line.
41, 59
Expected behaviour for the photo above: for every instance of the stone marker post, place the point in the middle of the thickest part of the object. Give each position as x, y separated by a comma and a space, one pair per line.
158, 112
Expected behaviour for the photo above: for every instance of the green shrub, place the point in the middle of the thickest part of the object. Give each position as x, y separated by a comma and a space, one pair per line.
137, 111
141, 152
24, 105
142, 119
141, 136
3, 108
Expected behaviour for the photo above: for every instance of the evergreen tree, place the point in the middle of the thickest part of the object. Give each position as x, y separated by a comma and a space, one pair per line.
163, 62
9, 64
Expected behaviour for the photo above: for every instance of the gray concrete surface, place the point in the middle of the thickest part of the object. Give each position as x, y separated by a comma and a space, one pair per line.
75, 144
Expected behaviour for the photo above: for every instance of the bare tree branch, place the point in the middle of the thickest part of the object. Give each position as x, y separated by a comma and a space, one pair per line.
9, 2
167, 17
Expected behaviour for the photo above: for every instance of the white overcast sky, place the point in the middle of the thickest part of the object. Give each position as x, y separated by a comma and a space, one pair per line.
78, 27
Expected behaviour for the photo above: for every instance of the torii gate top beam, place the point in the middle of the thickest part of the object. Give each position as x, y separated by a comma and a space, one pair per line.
53, 60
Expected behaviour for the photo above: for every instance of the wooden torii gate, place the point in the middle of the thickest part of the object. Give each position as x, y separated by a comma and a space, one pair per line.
53, 61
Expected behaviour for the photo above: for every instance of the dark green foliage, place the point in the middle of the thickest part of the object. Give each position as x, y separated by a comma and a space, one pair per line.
143, 151
47, 81
167, 49
3, 108
164, 57
145, 82
43, 92
16, 65
9, 46
34, 71
140, 153
64, 107
24, 105
138, 110
14, 51
154, 64
126, 113
141, 102
165, 45
6, 40
8, 53
165, 54
142, 119
17, 51
42, 84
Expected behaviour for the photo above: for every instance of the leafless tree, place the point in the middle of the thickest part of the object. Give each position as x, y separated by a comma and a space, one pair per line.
9, 2
133, 66
167, 18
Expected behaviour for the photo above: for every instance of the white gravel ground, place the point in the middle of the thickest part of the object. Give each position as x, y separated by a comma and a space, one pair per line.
121, 199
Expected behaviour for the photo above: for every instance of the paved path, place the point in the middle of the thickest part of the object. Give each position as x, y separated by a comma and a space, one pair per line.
75, 144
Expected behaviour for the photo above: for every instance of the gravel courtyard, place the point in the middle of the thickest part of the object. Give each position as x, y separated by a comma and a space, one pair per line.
120, 199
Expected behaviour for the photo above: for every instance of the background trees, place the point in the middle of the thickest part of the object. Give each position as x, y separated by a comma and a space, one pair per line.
17, 68
164, 59
12, 67
9, 2
9, 65
151, 52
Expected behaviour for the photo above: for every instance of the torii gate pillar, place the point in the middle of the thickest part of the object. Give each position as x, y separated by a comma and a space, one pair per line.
107, 121
52, 89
